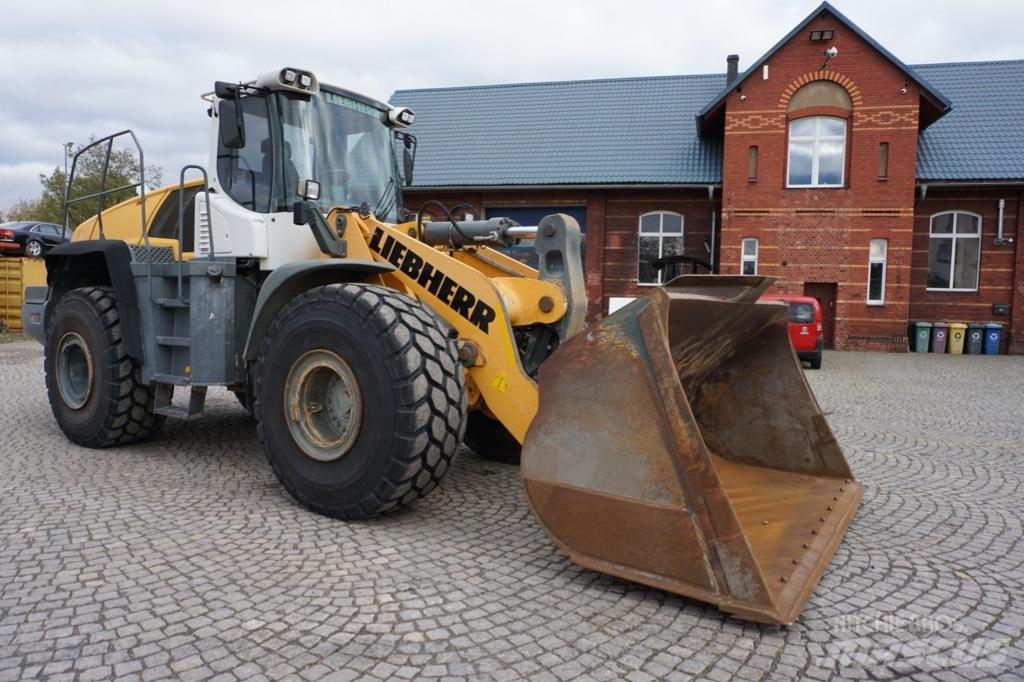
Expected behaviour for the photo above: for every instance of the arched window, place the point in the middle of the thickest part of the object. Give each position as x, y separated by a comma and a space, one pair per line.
661, 235
817, 152
954, 251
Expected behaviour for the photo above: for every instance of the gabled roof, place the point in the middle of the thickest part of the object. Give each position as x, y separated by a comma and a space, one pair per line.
982, 138
612, 131
942, 103
633, 131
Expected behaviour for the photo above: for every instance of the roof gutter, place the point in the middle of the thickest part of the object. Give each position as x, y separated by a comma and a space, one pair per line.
481, 188
923, 185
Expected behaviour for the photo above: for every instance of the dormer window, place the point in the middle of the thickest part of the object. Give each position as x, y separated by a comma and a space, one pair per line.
817, 152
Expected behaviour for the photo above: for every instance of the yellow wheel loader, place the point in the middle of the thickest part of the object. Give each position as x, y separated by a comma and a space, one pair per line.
675, 444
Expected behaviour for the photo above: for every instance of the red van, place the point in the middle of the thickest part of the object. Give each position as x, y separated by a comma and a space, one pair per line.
805, 327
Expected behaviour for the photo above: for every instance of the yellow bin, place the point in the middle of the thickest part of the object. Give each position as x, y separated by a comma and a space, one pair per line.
957, 336
15, 275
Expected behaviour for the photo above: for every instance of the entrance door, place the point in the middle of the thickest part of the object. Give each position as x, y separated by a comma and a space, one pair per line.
826, 293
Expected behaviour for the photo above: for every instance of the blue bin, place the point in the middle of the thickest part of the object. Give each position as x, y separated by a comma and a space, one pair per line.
993, 337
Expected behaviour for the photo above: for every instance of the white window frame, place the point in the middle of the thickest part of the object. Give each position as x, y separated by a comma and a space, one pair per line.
953, 237
660, 234
748, 258
817, 140
883, 259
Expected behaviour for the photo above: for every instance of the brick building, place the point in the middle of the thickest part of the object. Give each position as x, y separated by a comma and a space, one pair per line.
891, 192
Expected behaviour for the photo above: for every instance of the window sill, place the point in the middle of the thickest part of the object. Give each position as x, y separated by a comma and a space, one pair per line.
815, 186
649, 284
875, 304
952, 291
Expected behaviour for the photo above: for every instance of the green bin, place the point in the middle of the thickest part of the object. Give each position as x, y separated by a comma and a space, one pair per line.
957, 336
922, 334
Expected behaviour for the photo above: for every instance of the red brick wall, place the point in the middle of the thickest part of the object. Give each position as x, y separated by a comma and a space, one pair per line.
822, 234
996, 277
612, 226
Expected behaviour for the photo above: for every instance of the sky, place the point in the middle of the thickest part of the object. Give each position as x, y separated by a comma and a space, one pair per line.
75, 69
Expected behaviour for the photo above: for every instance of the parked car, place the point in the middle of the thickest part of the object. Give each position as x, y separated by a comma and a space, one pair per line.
30, 238
805, 327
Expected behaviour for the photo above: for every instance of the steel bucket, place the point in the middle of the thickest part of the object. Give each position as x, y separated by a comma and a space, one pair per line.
678, 444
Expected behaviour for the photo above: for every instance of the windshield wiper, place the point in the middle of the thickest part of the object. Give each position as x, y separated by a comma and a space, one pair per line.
381, 208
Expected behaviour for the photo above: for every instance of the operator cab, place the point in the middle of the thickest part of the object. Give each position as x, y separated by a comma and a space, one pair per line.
285, 137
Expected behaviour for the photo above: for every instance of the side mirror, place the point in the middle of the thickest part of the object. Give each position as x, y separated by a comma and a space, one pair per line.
308, 190
408, 157
232, 131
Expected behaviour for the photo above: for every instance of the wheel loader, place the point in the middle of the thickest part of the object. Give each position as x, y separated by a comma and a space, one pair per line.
676, 443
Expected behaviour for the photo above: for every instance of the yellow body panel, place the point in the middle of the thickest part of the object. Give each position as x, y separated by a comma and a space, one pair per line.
122, 220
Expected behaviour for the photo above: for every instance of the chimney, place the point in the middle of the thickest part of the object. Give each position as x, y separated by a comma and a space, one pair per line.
732, 66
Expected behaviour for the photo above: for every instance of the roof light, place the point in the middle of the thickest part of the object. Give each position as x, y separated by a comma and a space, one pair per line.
401, 117
288, 76
305, 80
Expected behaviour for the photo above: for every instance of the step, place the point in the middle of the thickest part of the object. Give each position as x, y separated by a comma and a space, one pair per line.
179, 341
171, 303
173, 379
164, 406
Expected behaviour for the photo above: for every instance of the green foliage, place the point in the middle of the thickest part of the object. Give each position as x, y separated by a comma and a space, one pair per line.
122, 170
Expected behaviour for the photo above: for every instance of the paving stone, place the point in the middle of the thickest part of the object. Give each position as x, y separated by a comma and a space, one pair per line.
181, 558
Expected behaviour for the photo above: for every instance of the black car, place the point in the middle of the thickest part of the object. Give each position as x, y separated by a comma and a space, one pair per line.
30, 238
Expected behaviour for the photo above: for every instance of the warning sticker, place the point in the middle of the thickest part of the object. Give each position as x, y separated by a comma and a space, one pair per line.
500, 383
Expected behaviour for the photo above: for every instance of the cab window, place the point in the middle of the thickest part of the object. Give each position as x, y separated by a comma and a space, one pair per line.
246, 174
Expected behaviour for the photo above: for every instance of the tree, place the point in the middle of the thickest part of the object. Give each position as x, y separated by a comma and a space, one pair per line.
122, 170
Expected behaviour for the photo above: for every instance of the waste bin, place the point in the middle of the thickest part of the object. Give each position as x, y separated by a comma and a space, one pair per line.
939, 330
975, 337
957, 336
922, 334
993, 336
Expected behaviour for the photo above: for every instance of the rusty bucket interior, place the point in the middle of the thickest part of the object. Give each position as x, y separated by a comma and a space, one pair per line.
678, 445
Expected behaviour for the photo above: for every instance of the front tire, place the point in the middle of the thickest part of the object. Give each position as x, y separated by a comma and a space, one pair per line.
360, 400
95, 389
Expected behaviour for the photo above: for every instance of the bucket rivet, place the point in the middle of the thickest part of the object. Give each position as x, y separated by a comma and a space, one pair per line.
835, 499
796, 561
847, 480
764, 523
806, 545
814, 531
830, 508
842, 490
782, 579
822, 519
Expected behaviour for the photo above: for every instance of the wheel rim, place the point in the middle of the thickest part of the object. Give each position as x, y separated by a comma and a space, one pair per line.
323, 405
74, 370
34, 249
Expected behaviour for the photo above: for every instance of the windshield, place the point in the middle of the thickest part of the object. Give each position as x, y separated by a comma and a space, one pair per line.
345, 146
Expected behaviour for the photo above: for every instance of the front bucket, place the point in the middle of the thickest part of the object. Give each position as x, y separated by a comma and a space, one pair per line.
677, 444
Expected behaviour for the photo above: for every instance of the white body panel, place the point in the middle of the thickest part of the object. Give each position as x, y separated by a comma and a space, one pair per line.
242, 233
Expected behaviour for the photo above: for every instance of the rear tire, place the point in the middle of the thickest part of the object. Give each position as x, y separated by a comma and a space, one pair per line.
34, 249
360, 400
491, 440
95, 390
816, 362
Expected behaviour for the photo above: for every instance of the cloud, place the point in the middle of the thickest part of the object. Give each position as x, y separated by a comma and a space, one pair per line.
79, 69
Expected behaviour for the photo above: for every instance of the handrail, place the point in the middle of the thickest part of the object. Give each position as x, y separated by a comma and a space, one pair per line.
179, 230
99, 196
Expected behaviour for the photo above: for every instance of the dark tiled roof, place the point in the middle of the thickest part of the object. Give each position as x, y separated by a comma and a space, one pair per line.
640, 130
982, 138
628, 130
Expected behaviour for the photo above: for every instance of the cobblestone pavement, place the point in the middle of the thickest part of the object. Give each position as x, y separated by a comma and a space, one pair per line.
182, 558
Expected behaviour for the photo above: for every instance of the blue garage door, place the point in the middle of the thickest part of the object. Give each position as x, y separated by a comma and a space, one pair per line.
532, 215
